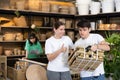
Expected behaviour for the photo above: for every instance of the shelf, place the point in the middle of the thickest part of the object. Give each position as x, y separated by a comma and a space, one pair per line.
114, 14
50, 14
12, 56
52, 28
86, 16
44, 27
104, 31
15, 27
12, 41
35, 13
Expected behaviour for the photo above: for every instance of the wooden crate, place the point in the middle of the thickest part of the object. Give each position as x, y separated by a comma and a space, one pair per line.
15, 74
3, 67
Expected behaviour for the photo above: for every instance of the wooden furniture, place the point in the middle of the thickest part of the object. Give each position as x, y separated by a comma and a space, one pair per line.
3, 67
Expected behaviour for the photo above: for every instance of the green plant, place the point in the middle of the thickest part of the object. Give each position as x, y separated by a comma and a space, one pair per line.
112, 58
17, 14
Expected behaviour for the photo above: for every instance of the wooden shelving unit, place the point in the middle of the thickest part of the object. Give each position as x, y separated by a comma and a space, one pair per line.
3, 67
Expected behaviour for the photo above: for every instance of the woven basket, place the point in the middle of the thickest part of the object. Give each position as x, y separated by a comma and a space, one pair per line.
34, 5
5, 22
21, 21
9, 37
20, 5
36, 72
54, 8
45, 6
83, 60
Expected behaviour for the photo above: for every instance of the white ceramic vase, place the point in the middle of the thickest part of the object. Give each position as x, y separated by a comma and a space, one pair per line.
107, 6
95, 7
117, 5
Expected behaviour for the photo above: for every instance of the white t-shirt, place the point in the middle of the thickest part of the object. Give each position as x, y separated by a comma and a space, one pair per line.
91, 40
60, 63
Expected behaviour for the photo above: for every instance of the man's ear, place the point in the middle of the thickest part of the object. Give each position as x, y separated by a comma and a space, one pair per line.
89, 29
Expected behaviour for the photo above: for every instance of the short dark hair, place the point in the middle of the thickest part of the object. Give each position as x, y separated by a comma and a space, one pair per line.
58, 24
83, 23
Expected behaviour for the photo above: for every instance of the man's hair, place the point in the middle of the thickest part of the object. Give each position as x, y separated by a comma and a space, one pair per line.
83, 23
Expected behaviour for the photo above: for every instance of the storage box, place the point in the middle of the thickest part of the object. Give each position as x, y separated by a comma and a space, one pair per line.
15, 74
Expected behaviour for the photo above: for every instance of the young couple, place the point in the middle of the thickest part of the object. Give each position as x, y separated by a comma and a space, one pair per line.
57, 49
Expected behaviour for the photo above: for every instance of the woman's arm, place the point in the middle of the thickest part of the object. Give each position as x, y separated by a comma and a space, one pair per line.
26, 56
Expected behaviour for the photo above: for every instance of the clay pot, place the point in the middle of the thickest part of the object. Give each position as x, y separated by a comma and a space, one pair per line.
8, 52
101, 26
107, 26
113, 26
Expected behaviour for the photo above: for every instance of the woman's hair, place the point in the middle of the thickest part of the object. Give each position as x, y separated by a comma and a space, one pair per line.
31, 36
58, 24
83, 23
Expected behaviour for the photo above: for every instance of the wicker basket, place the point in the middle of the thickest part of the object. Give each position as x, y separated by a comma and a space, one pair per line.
21, 21
36, 72
34, 5
82, 60
9, 37
45, 5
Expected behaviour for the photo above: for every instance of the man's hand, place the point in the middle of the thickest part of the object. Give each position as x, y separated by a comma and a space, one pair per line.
94, 47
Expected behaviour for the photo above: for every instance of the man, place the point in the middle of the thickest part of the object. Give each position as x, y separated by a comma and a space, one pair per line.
96, 41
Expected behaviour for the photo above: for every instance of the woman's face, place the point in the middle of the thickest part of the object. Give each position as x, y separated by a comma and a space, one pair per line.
84, 32
59, 32
32, 40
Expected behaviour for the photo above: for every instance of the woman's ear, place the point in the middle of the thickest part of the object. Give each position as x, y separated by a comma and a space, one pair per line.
54, 29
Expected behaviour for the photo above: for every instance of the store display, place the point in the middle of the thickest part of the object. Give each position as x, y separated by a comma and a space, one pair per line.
43, 17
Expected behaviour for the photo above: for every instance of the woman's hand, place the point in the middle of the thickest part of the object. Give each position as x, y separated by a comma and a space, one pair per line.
63, 49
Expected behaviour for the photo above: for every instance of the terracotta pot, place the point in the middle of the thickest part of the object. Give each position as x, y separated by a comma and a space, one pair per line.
8, 52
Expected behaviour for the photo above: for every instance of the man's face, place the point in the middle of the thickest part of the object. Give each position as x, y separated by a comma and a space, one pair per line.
84, 32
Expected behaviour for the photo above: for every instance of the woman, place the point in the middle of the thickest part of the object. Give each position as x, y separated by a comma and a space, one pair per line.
57, 49
33, 48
